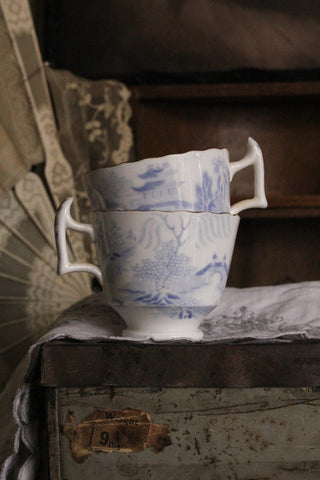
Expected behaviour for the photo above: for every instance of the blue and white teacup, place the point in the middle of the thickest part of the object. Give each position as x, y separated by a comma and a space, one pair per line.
195, 181
163, 272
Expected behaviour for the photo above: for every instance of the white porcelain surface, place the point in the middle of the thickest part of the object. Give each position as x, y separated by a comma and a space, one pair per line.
194, 181
158, 269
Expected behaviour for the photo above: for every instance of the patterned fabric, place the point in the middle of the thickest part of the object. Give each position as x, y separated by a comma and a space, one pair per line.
93, 123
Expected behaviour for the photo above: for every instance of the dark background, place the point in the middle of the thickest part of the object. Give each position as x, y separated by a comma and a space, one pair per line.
169, 41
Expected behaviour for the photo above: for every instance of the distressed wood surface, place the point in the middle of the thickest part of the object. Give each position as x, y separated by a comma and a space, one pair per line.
53, 458
215, 434
180, 365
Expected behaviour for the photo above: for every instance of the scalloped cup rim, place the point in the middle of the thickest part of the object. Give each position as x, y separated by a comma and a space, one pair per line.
170, 156
169, 212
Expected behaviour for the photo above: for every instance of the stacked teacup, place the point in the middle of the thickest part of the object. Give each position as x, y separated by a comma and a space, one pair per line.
164, 232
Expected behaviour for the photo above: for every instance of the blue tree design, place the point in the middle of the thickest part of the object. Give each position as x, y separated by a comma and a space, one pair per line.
213, 200
168, 278
165, 270
204, 194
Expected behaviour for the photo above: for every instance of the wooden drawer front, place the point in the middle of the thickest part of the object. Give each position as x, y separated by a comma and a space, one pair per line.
184, 433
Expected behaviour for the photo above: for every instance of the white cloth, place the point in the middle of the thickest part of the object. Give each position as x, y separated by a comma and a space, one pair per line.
283, 313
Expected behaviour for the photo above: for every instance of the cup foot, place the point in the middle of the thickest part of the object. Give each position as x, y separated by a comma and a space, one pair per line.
163, 323
194, 335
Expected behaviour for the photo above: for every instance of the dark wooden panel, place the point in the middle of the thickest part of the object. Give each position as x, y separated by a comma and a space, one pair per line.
274, 251
279, 245
228, 91
178, 365
283, 118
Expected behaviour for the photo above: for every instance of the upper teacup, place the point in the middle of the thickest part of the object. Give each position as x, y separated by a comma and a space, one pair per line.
195, 181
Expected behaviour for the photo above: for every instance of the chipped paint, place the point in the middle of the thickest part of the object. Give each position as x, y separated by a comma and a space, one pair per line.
127, 431
232, 433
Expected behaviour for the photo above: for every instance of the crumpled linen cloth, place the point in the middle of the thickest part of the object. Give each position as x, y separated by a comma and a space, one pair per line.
283, 313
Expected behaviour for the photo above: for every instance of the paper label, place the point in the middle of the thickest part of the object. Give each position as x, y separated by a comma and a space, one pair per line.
125, 431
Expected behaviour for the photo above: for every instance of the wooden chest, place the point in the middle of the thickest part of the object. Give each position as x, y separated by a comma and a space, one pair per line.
117, 410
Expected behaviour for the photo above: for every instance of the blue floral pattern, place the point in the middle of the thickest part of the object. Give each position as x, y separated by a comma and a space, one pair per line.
166, 275
160, 187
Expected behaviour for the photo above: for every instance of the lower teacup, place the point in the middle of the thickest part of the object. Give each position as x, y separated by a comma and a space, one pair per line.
163, 272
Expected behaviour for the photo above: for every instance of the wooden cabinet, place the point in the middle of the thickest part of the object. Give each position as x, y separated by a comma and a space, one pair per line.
181, 412
276, 245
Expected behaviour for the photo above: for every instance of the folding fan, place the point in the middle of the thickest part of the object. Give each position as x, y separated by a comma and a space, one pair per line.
31, 292
93, 132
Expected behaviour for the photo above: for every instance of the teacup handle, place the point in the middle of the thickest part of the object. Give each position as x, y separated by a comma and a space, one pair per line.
63, 222
253, 157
